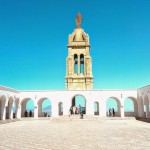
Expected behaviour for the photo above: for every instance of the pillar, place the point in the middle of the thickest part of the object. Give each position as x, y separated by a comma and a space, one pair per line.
4, 113
147, 111
54, 109
40, 109
11, 110
35, 110
18, 111
122, 109
78, 64
4, 107
89, 107
66, 107
102, 108
140, 108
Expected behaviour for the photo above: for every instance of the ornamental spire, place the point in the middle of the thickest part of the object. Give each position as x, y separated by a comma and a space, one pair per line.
78, 20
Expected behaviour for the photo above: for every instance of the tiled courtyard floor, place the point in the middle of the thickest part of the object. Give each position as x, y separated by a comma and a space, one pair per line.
75, 134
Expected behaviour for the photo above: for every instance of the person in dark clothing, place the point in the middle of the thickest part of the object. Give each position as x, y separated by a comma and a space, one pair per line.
71, 110
30, 113
80, 112
113, 112
110, 112
26, 114
81, 115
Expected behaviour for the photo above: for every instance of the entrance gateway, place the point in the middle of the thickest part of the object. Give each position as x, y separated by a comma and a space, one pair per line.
79, 82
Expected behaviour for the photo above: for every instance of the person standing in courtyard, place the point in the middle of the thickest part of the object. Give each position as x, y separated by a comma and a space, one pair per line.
113, 112
30, 113
110, 112
26, 114
70, 111
76, 110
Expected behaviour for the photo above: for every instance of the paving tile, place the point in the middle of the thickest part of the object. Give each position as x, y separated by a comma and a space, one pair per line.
72, 133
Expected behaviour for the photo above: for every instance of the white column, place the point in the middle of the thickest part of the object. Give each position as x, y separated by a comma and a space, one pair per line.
140, 109
66, 107
18, 115
122, 110
35, 110
11, 111
89, 107
54, 109
102, 107
4, 105
40, 109
4, 113
147, 111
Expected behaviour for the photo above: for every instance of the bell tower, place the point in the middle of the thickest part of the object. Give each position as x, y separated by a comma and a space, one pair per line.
79, 62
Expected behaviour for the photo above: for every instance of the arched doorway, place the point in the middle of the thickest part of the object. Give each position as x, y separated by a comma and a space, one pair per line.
79, 100
44, 107
130, 107
2, 107
146, 107
114, 103
60, 108
96, 108
27, 106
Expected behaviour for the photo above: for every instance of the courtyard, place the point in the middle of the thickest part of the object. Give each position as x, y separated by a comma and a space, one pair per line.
72, 133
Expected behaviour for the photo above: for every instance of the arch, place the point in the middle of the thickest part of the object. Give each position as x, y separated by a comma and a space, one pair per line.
2, 106
74, 38
113, 102
27, 105
44, 107
96, 108
75, 63
79, 100
82, 64
60, 108
130, 107
83, 38
146, 106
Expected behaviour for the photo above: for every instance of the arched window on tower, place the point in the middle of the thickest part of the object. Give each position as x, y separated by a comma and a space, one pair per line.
82, 64
76, 63
74, 38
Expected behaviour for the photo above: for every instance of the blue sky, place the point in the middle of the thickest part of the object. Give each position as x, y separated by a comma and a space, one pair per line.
34, 36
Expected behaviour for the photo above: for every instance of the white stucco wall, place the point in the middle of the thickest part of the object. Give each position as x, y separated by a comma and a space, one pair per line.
9, 96
65, 97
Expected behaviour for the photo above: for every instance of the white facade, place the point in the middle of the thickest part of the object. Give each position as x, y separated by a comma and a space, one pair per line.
8, 96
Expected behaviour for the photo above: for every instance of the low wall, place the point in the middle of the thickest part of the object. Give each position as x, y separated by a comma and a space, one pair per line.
129, 114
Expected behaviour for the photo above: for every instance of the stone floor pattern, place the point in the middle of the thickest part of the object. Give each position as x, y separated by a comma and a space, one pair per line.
75, 134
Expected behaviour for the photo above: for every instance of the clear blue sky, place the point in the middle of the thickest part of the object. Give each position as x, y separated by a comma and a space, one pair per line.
34, 36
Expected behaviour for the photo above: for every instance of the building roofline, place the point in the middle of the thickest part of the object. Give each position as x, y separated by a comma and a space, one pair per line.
144, 87
5, 88
78, 90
